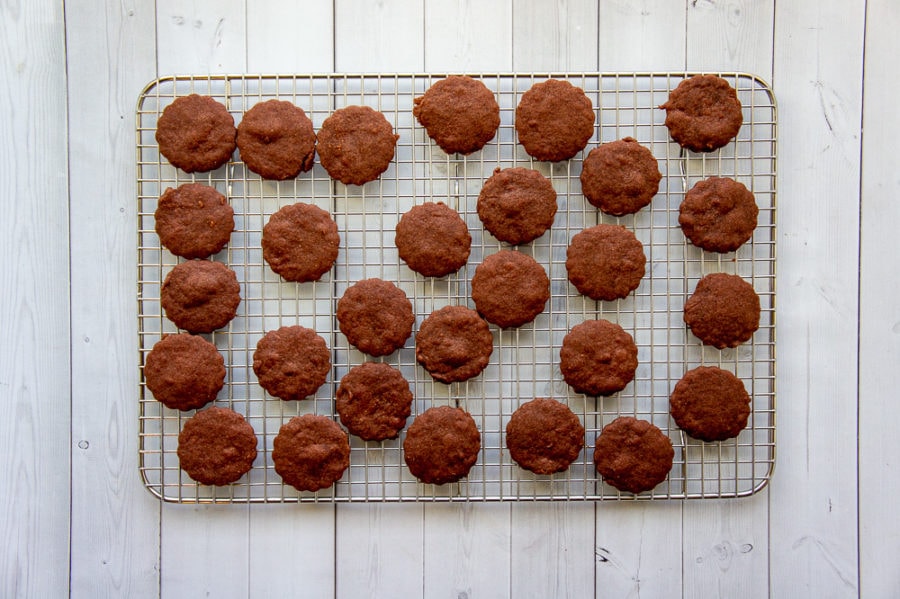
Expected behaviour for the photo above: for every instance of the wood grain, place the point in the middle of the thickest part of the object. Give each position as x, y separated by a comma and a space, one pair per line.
642, 35
201, 37
555, 36
379, 37
468, 36
290, 37
731, 36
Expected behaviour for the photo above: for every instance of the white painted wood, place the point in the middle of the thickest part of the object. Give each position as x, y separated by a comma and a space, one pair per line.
640, 35
201, 36
115, 521
379, 37
879, 377
34, 306
731, 36
813, 495
290, 37
468, 36
555, 36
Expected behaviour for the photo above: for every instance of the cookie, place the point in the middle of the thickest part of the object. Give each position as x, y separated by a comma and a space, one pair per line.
510, 288
723, 311
459, 113
544, 436
598, 358
633, 455
374, 401
356, 144
718, 214
605, 262
375, 316
276, 140
441, 445
703, 113
184, 372
200, 296
311, 452
454, 344
433, 240
517, 205
300, 242
554, 120
620, 177
291, 362
196, 134
193, 220
217, 446
710, 404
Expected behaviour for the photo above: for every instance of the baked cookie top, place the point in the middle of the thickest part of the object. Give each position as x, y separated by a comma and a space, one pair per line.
633, 455
605, 262
620, 177
723, 311
356, 144
718, 214
375, 316
454, 344
554, 120
510, 288
703, 113
193, 220
432, 239
217, 446
291, 362
544, 436
300, 242
441, 445
517, 205
184, 372
710, 404
598, 358
374, 401
311, 452
276, 140
459, 113
200, 296
196, 133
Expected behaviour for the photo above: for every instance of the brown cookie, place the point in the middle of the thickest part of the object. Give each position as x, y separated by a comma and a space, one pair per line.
196, 134
300, 242
554, 120
376, 316
311, 452
454, 344
598, 358
184, 372
620, 177
605, 262
718, 214
544, 436
373, 401
710, 404
441, 445
276, 140
723, 311
459, 113
633, 455
200, 296
356, 144
193, 220
510, 288
433, 240
217, 446
291, 362
517, 205
703, 113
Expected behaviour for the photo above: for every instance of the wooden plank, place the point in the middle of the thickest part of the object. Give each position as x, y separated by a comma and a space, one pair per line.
379, 37
879, 378
290, 37
643, 35
203, 36
468, 36
731, 36
555, 36
34, 309
813, 495
115, 522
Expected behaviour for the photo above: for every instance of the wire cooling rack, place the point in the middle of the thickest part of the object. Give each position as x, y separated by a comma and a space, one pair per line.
524, 364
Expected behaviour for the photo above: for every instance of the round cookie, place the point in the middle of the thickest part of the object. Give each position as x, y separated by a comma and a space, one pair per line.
459, 113
276, 140
510, 288
598, 358
544, 436
554, 120
184, 372
374, 401
517, 205
454, 344
433, 240
217, 446
200, 296
196, 134
723, 311
300, 242
710, 404
703, 113
375, 316
193, 220
441, 445
356, 144
605, 262
633, 455
718, 214
311, 452
620, 177
291, 362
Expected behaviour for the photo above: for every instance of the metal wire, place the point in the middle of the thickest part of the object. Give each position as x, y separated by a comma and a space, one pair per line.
524, 364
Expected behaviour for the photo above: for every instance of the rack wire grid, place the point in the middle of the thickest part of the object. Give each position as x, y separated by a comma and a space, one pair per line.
524, 363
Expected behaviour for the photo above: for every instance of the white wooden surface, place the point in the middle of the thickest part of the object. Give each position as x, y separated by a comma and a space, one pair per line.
73, 513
